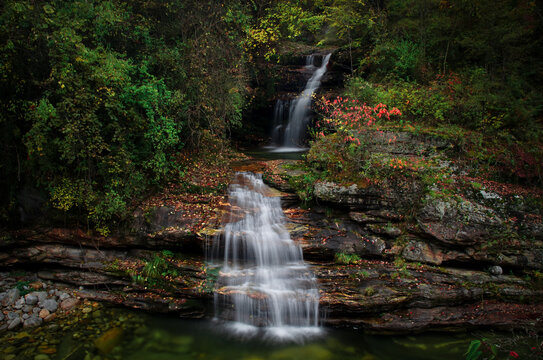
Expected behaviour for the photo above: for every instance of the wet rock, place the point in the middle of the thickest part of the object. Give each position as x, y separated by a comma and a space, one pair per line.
14, 323
11, 297
68, 304
31, 299
495, 270
33, 321
50, 305
44, 313
109, 340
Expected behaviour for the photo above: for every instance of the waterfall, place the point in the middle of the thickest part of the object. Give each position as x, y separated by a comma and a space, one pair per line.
278, 121
299, 110
264, 284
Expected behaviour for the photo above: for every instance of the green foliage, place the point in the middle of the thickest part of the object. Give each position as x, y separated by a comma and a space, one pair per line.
346, 259
156, 270
398, 59
478, 348
103, 94
211, 276
24, 287
369, 291
304, 186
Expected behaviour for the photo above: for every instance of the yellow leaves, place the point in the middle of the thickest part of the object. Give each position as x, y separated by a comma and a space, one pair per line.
48, 9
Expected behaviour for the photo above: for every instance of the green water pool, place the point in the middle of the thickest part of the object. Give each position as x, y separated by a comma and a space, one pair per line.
100, 333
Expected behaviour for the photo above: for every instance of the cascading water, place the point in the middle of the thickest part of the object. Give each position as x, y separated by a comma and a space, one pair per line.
264, 284
279, 111
299, 108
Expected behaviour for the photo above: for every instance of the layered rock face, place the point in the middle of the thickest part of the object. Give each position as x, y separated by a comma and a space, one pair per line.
443, 253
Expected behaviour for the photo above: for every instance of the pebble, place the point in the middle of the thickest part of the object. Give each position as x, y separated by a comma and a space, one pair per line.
14, 323
496, 270
50, 305
12, 315
27, 308
36, 310
11, 296
31, 299
25, 316
36, 285
1, 316
50, 317
44, 313
63, 296
19, 303
42, 295
33, 321
68, 304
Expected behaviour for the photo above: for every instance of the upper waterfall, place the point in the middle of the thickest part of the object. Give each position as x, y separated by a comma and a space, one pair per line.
298, 109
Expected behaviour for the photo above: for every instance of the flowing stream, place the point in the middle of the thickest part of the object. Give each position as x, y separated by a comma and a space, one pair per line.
298, 110
264, 284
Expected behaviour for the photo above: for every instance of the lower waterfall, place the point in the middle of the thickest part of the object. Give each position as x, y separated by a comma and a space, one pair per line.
264, 284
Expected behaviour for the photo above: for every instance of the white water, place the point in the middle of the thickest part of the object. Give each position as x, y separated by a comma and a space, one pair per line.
299, 109
264, 283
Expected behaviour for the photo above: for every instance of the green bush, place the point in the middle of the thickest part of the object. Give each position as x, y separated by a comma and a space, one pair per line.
346, 259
